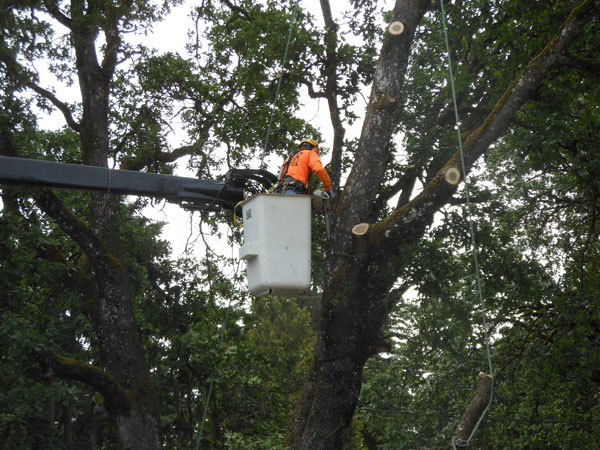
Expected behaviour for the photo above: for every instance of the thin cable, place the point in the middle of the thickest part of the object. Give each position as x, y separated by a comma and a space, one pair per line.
472, 233
287, 47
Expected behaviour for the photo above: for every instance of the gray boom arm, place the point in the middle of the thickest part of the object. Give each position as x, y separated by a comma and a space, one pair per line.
190, 193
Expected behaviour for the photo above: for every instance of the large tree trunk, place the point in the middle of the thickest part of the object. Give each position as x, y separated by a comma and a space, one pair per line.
125, 380
121, 350
356, 298
324, 411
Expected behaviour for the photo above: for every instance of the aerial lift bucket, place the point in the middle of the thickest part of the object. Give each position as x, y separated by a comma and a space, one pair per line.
277, 236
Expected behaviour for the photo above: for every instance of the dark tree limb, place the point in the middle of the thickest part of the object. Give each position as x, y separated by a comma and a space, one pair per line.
55, 12
113, 38
138, 162
16, 70
63, 108
310, 88
579, 62
75, 228
239, 10
373, 154
331, 91
412, 218
116, 398
473, 412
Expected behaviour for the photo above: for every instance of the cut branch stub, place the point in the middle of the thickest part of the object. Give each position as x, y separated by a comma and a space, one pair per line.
476, 407
452, 176
396, 28
360, 229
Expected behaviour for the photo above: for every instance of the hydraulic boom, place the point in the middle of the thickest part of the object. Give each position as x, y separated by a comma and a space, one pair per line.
189, 193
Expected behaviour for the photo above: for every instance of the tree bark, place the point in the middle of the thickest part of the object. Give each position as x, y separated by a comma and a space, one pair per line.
354, 304
331, 93
122, 355
328, 399
473, 412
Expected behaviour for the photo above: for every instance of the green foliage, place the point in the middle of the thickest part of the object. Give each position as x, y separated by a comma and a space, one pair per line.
38, 316
252, 371
536, 207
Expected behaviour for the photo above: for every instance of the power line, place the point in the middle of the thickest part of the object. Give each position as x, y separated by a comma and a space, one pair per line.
491, 419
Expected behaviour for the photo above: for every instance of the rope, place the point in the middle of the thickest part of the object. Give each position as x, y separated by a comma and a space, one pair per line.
456, 441
285, 55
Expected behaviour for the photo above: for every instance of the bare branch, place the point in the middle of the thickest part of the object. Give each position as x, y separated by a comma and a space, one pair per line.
311, 89
56, 102
55, 12
331, 89
239, 10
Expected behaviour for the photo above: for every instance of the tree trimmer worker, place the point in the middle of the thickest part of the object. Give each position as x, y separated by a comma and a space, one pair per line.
295, 171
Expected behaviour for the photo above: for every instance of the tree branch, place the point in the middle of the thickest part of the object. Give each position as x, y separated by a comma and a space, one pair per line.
473, 411
579, 62
331, 89
311, 89
75, 228
55, 12
409, 222
373, 153
113, 37
116, 397
138, 163
56, 102
239, 10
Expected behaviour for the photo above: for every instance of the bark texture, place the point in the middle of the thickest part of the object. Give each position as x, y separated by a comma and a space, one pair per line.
121, 351
324, 411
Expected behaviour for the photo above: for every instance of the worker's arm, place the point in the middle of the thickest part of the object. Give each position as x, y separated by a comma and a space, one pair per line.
317, 167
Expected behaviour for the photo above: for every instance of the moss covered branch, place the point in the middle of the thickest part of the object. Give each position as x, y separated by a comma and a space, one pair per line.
408, 222
116, 398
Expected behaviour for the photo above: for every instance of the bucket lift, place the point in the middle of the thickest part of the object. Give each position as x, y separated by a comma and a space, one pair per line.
277, 236
277, 228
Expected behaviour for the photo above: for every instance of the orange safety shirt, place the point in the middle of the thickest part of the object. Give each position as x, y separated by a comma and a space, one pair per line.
303, 163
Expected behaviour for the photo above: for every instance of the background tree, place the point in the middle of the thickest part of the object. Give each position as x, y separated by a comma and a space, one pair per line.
121, 118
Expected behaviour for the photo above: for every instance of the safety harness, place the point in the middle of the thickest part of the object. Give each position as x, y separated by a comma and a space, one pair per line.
286, 182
